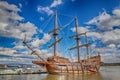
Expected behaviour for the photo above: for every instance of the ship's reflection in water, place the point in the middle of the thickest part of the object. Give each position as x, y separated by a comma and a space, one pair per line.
106, 73
96, 76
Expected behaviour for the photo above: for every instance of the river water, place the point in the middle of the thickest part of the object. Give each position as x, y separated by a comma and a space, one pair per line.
106, 73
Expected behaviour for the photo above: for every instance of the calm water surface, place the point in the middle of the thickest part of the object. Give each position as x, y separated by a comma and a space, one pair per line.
106, 73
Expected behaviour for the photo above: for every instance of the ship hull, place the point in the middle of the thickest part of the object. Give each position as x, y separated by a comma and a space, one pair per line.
54, 67
71, 68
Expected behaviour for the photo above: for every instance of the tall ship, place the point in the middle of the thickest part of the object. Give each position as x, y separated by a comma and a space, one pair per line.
56, 64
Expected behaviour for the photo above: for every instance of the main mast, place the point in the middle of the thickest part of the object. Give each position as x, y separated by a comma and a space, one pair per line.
77, 39
55, 33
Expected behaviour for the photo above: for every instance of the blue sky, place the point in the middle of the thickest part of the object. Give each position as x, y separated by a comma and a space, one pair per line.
99, 18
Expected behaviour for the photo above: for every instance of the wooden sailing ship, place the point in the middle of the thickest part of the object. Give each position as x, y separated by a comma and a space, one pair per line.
57, 64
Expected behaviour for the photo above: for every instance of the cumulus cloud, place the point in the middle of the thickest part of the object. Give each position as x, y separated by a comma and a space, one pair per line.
48, 9
80, 29
110, 58
7, 51
111, 37
110, 54
37, 42
44, 10
93, 35
10, 25
9, 12
44, 53
116, 12
6, 6
17, 60
23, 57
107, 21
56, 3
111, 46
102, 21
18, 45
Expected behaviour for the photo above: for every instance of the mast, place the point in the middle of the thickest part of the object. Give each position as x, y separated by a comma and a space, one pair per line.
87, 46
77, 39
33, 51
55, 33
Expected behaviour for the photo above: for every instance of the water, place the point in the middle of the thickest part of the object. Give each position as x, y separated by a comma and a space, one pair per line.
106, 73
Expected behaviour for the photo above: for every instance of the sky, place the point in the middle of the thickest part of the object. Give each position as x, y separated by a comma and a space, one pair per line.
35, 18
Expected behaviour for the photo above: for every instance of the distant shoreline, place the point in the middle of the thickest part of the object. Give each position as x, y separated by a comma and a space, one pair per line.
110, 64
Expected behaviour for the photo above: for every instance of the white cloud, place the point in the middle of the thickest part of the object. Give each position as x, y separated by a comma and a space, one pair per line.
48, 9
102, 21
106, 21
10, 22
93, 35
3, 26
27, 28
110, 58
37, 42
11, 26
111, 37
6, 6
17, 60
7, 51
116, 12
19, 45
110, 54
111, 46
56, 3
15, 57
80, 29
44, 10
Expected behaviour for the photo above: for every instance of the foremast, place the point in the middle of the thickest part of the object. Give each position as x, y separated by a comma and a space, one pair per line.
55, 34
32, 51
77, 41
